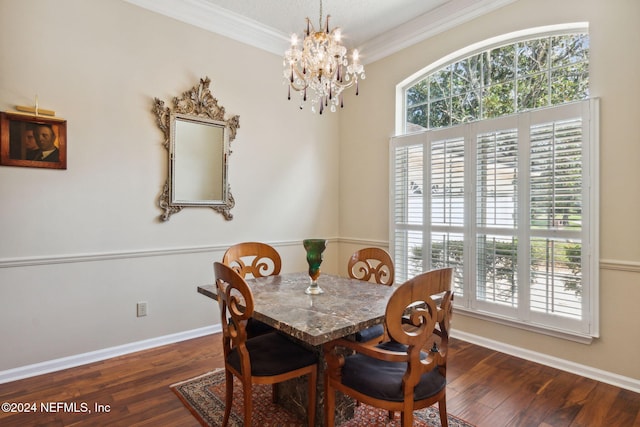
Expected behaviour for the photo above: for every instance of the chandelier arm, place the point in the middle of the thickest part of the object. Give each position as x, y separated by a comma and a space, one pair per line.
299, 77
297, 87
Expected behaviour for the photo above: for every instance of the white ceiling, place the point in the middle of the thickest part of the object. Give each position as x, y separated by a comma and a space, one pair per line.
376, 27
361, 20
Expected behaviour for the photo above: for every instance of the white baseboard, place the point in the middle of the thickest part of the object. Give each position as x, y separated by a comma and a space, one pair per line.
554, 362
98, 355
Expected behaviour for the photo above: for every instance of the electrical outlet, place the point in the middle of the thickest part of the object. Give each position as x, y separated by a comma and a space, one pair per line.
142, 308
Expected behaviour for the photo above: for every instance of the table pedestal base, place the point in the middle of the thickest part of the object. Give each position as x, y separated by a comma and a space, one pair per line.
293, 395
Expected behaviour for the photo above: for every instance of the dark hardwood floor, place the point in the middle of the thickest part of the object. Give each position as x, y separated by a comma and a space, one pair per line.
485, 387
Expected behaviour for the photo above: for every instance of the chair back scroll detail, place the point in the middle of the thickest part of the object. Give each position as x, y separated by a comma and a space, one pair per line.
372, 263
255, 258
413, 318
235, 301
412, 314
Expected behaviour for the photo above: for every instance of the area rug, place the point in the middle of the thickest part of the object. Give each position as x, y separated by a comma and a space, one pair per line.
204, 397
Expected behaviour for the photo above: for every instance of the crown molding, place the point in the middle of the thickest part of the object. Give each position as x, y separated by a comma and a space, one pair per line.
443, 18
211, 17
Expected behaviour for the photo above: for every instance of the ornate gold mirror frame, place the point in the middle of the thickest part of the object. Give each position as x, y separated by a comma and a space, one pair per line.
198, 138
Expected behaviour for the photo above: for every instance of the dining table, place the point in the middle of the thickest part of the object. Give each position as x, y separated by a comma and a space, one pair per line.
345, 307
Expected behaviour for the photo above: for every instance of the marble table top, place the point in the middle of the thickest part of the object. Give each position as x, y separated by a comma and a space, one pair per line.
346, 306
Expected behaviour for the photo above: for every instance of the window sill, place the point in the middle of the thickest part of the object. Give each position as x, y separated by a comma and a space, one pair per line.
544, 330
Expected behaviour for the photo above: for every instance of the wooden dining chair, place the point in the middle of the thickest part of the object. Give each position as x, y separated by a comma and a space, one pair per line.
371, 265
254, 259
266, 359
400, 374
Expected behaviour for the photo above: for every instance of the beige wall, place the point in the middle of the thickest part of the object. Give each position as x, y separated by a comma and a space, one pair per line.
80, 247
615, 62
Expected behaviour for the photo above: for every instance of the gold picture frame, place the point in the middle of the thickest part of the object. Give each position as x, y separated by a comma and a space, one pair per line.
33, 141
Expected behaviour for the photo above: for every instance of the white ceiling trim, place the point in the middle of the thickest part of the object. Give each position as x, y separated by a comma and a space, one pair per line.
211, 17
445, 17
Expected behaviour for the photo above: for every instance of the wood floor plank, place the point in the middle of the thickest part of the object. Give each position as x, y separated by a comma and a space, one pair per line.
599, 411
485, 387
624, 409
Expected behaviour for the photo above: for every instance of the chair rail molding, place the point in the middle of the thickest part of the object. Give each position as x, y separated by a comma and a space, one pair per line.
107, 256
605, 264
620, 265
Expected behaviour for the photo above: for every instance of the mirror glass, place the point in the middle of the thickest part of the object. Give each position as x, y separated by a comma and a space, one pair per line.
197, 136
198, 167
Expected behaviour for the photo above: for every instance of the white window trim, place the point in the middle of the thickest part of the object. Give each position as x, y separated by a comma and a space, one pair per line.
591, 256
472, 307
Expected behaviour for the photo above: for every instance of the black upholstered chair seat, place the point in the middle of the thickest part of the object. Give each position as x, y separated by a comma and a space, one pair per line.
370, 333
383, 380
273, 354
256, 327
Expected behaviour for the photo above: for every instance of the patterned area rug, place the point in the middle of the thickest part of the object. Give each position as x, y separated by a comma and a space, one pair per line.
204, 397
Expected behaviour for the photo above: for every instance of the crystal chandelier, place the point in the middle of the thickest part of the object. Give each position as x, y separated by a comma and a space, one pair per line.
320, 70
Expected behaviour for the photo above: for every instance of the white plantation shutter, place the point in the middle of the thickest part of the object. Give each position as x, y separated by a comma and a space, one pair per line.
447, 182
506, 202
407, 207
496, 216
556, 218
447, 201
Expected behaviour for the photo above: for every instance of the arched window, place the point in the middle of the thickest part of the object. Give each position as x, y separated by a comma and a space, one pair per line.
496, 175
501, 80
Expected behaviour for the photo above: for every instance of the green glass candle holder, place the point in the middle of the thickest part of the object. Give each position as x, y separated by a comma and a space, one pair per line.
314, 248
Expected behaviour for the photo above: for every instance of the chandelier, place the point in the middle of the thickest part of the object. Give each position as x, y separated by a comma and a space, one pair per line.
320, 69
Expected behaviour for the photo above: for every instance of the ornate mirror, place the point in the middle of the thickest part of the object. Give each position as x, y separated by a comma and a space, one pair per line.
198, 139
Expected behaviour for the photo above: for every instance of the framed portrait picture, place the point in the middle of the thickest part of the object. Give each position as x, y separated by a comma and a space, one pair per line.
33, 141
